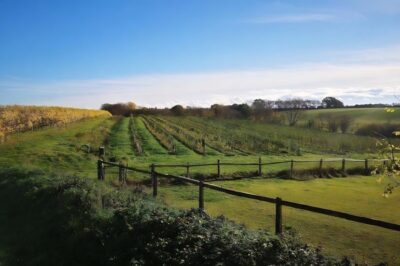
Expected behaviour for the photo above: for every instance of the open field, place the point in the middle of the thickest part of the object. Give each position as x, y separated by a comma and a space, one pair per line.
58, 150
360, 116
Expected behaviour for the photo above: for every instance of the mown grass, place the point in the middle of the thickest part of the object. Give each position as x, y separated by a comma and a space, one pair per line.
57, 149
120, 142
356, 195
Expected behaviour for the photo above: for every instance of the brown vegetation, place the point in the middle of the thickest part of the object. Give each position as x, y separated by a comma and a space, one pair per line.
17, 118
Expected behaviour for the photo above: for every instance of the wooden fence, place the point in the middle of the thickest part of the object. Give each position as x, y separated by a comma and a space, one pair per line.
279, 202
260, 166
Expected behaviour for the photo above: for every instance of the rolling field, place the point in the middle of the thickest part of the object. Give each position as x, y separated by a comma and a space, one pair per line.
361, 116
179, 140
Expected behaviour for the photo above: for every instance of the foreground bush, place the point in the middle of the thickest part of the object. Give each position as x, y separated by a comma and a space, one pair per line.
378, 130
73, 221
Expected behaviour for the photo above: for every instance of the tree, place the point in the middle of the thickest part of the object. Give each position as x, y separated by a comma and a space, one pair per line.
332, 123
294, 109
178, 110
345, 122
262, 109
390, 169
243, 109
218, 110
332, 102
131, 106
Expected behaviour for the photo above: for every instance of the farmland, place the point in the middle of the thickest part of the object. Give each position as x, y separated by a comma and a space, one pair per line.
360, 116
141, 140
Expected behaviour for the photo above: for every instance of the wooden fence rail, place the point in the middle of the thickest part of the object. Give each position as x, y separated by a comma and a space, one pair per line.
260, 165
279, 203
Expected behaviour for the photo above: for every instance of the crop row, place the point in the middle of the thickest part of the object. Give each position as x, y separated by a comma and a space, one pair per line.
285, 138
209, 137
189, 139
137, 145
230, 139
160, 134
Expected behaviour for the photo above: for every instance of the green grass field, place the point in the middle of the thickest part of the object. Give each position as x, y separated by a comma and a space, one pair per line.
57, 150
357, 195
361, 116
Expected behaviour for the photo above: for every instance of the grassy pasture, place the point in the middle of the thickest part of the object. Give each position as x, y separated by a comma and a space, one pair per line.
360, 116
357, 195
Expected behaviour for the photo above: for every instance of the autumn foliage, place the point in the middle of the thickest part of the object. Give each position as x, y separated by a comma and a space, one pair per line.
18, 118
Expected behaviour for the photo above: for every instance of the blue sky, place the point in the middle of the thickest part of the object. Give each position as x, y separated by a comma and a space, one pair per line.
160, 53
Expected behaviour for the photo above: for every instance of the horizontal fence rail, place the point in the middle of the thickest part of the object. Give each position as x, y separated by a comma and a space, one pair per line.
291, 169
277, 201
269, 163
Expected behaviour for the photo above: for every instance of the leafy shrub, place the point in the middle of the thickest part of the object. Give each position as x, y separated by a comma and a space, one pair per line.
74, 221
378, 130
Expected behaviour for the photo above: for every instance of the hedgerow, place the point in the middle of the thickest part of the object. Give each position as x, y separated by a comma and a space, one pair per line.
76, 221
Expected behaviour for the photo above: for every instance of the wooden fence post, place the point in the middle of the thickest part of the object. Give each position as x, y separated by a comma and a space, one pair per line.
100, 170
102, 151
219, 168
344, 167
125, 173
278, 216
259, 167
366, 167
201, 194
154, 180
187, 169
291, 168
121, 172
320, 167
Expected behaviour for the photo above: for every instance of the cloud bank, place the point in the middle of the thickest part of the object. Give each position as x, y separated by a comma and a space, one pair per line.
368, 76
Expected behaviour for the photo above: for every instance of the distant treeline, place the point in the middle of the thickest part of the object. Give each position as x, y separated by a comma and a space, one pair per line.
18, 118
259, 110
258, 107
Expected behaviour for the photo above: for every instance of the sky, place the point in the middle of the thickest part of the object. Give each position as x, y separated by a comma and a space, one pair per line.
161, 53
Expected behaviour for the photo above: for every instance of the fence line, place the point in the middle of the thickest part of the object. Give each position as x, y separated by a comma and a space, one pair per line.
269, 163
279, 203
260, 165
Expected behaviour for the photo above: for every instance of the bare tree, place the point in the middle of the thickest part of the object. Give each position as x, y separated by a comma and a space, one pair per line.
293, 109
333, 124
345, 122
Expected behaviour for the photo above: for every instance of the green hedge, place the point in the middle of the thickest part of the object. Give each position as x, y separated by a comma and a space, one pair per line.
76, 221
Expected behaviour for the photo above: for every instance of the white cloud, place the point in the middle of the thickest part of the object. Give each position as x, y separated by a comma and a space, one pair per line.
358, 77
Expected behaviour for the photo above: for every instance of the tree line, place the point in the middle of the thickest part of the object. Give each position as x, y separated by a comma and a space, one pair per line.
259, 109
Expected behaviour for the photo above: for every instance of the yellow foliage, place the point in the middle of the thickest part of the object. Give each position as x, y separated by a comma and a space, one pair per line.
389, 110
18, 118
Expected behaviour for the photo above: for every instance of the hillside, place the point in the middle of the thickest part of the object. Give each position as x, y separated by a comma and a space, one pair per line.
359, 116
